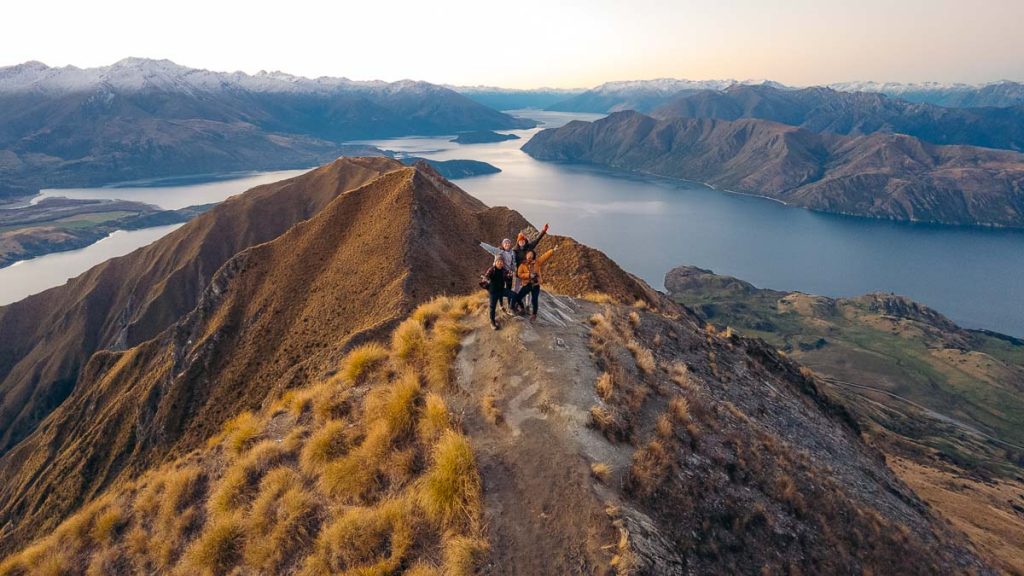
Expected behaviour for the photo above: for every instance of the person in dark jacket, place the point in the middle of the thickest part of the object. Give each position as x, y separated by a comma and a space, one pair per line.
496, 276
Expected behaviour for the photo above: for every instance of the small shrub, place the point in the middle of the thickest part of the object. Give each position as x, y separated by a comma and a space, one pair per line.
601, 471
649, 468
608, 423
450, 493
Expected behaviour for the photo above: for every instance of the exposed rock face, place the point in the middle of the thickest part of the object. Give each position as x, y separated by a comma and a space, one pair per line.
825, 110
880, 175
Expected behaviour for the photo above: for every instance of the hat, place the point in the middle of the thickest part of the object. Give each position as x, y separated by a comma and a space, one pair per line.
520, 237
503, 240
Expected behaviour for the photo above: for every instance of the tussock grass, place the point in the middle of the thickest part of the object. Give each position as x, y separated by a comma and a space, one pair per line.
643, 356
360, 360
329, 478
664, 427
599, 298
605, 386
650, 465
462, 554
450, 493
634, 319
601, 471
679, 408
409, 341
326, 444
218, 548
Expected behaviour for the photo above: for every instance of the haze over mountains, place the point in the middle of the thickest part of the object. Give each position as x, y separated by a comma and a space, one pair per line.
880, 175
143, 118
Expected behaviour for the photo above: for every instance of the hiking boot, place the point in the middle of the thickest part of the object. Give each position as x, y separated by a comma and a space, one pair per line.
494, 326
533, 317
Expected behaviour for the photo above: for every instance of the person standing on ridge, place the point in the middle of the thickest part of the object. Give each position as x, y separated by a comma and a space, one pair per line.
530, 274
508, 257
495, 279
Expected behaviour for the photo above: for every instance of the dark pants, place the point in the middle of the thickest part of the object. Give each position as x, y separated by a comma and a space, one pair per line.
509, 295
496, 297
534, 291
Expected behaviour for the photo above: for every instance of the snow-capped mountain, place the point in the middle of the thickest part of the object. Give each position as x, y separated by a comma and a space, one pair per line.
141, 118
958, 95
643, 95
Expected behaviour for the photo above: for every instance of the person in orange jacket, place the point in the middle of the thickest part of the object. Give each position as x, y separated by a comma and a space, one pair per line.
530, 274
523, 245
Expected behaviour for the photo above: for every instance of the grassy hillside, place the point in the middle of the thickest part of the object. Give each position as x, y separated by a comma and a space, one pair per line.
364, 472
945, 404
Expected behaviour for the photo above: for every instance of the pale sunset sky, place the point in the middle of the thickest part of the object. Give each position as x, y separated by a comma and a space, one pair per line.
531, 43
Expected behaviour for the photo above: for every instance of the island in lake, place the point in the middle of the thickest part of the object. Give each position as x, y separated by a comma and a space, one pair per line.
452, 169
483, 137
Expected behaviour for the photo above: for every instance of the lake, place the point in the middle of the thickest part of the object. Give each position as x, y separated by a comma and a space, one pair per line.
649, 225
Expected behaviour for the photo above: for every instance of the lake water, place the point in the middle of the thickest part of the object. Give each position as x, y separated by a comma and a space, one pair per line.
649, 225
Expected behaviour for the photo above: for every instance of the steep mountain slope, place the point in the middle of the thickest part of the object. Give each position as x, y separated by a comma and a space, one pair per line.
943, 403
46, 338
1001, 94
147, 118
880, 175
274, 315
825, 110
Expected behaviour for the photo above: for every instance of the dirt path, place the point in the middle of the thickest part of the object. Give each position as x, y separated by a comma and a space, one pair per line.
544, 511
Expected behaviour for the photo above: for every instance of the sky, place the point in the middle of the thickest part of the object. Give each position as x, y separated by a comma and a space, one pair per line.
531, 43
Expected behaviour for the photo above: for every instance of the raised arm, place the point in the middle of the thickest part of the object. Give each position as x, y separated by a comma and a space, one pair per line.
544, 257
543, 233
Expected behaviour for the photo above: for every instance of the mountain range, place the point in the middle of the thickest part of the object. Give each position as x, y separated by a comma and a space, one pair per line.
880, 175
855, 113
646, 95
143, 118
287, 385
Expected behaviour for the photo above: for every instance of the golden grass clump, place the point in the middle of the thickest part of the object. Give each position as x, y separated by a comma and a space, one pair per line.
450, 494
680, 374
325, 444
601, 471
634, 319
434, 419
240, 431
374, 539
679, 408
598, 298
409, 341
361, 360
219, 548
395, 405
643, 356
238, 482
641, 305
664, 427
282, 520
434, 309
605, 385
462, 554
107, 522
442, 348
649, 468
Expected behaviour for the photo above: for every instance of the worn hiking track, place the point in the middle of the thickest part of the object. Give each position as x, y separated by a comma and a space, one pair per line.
543, 511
